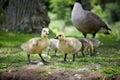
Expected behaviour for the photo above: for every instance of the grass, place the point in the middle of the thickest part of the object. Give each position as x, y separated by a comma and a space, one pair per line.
41, 71
107, 61
13, 39
111, 70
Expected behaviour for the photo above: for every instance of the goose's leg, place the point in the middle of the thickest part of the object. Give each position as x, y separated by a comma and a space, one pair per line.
73, 57
85, 35
29, 61
65, 57
42, 59
94, 34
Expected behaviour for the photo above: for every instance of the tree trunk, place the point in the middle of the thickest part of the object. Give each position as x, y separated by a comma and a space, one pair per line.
24, 15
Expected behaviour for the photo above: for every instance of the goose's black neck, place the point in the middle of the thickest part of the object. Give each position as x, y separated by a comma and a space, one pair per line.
79, 1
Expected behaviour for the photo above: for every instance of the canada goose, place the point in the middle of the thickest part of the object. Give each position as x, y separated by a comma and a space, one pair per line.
68, 45
36, 45
53, 45
86, 21
87, 45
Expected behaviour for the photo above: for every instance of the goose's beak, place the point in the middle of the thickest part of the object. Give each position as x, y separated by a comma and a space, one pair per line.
47, 33
56, 37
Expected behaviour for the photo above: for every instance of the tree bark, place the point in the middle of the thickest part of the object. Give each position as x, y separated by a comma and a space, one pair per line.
24, 15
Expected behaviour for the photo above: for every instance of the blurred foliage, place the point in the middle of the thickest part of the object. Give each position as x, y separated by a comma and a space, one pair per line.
110, 9
62, 8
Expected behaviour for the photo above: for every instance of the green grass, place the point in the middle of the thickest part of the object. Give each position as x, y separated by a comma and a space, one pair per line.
11, 56
41, 71
13, 39
109, 71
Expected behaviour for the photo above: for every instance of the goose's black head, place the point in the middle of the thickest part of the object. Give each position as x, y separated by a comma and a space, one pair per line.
79, 1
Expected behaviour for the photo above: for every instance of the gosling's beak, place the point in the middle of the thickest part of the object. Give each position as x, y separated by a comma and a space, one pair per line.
56, 37
47, 33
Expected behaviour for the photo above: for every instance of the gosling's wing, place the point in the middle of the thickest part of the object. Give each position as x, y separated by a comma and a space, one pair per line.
34, 41
69, 42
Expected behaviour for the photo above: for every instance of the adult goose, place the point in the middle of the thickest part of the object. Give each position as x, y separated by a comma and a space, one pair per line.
86, 21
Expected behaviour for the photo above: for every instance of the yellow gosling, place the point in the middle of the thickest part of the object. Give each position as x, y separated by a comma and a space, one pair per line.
68, 45
37, 45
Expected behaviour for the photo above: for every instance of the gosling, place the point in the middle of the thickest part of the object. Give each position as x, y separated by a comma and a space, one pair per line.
96, 43
53, 45
37, 45
87, 45
68, 45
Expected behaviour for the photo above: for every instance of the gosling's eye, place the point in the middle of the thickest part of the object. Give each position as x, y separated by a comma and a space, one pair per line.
44, 31
60, 35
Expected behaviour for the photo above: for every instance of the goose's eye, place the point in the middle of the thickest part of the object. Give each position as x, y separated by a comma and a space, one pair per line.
60, 35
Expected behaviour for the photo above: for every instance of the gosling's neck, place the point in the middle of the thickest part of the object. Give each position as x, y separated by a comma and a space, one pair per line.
44, 37
63, 39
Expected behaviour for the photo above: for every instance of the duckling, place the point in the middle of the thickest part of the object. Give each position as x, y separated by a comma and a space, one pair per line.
37, 45
87, 22
68, 45
53, 45
87, 45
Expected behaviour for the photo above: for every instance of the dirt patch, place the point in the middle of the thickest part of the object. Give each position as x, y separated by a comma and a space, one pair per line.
35, 72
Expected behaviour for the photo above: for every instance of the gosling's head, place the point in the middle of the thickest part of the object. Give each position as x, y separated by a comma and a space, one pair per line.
95, 42
60, 36
45, 32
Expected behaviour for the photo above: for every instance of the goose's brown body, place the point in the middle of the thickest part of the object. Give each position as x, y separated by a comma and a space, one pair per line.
86, 21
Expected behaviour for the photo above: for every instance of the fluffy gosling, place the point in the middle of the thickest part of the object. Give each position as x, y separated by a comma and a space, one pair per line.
96, 43
36, 45
87, 45
68, 45
53, 45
